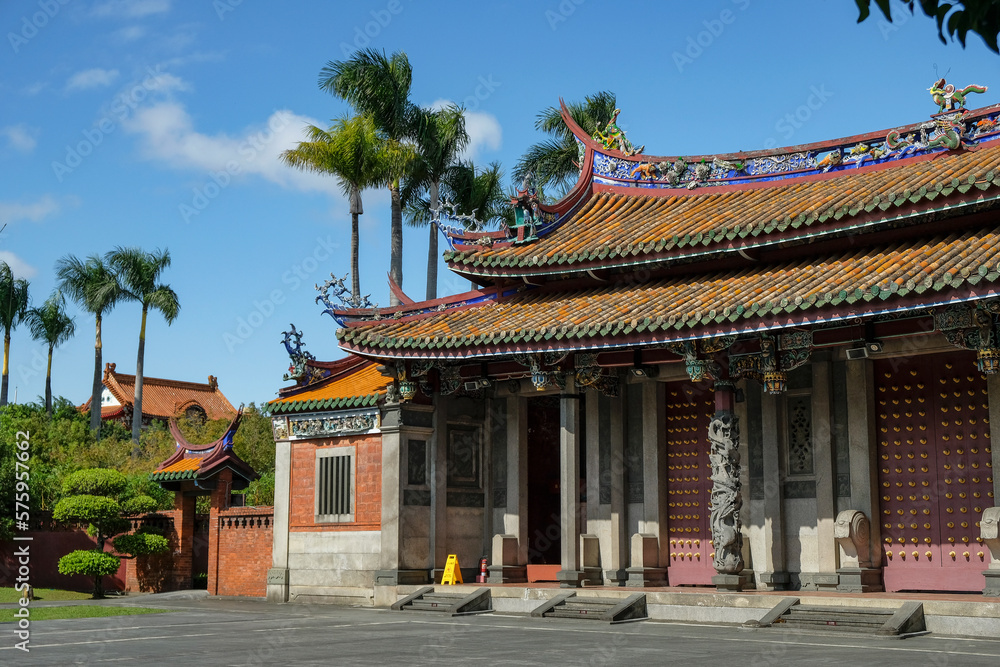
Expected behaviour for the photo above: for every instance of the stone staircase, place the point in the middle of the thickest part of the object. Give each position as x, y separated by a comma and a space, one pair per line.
451, 603
609, 610
886, 622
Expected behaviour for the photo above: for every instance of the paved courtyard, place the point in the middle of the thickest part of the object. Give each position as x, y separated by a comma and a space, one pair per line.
250, 632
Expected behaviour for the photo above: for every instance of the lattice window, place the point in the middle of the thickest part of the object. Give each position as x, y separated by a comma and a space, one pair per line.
800, 444
335, 485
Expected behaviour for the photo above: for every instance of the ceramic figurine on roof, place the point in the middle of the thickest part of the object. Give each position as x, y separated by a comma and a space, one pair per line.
299, 370
948, 98
526, 214
614, 138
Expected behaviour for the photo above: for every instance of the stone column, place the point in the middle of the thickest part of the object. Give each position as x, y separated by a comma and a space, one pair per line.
571, 575
771, 574
650, 552
608, 519
826, 481
864, 468
727, 493
278, 575
438, 551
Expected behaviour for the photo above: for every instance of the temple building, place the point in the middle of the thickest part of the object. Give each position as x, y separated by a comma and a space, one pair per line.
161, 399
771, 370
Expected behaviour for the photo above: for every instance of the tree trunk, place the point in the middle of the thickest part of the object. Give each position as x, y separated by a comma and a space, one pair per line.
356, 210
48, 385
432, 248
137, 402
6, 358
95, 391
396, 242
355, 248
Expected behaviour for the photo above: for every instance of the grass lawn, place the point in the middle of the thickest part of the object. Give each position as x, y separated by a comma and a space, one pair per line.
8, 595
77, 611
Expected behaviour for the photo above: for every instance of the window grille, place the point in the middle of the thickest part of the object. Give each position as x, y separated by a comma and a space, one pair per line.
335, 485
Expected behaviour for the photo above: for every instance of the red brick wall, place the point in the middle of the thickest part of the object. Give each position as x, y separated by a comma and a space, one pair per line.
244, 543
367, 489
166, 572
50, 542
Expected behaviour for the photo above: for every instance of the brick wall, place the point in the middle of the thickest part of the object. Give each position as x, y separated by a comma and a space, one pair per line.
167, 571
367, 488
244, 539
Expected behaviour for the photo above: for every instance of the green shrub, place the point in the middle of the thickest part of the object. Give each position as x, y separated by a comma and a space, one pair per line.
89, 563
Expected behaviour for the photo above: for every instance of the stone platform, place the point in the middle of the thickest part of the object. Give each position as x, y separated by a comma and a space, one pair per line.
969, 615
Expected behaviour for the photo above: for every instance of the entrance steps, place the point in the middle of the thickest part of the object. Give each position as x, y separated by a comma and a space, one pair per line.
790, 614
453, 604
609, 610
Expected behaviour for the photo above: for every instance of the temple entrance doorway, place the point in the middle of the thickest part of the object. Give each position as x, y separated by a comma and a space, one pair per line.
543, 488
689, 484
935, 474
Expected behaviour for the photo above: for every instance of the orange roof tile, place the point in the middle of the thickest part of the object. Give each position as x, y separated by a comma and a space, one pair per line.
165, 398
361, 381
182, 465
907, 274
628, 226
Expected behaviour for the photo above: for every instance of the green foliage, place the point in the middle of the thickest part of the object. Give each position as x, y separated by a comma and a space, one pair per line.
138, 505
96, 482
956, 19
143, 542
87, 509
260, 492
200, 581
254, 440
89, 563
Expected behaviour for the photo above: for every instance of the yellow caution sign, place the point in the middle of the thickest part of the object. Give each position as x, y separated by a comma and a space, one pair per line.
452, 573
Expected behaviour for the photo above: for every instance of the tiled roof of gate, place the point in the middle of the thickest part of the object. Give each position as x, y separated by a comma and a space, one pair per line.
616, 229
360, 387
907, 274
163, 398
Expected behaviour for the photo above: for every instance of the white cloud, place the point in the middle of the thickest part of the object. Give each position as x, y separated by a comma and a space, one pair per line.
167, 134
131, 8
130, 34
92, 78
20, 137
19, 267
35, 211
35, 88
483, 128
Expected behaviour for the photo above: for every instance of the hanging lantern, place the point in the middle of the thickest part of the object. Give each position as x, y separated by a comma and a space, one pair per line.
775, 382
540, 379
988, 360
407, 389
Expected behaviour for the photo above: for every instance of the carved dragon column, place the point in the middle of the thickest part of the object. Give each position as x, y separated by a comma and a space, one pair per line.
727, 496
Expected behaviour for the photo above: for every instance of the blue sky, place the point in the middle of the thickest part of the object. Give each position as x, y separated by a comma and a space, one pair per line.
157, 123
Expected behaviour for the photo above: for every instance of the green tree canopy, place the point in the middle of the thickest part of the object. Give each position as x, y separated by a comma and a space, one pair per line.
954, 19
50, 324
14, 301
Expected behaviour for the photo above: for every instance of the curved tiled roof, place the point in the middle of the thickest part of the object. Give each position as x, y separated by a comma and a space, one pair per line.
358, 385
910, 274
628, 226
162, 398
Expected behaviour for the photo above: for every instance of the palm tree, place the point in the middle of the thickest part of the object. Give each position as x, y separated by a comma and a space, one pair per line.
472, 191
380, 87
441, 137
554, 161
13, 308
50, 323
92, 284
353, 151
138, 272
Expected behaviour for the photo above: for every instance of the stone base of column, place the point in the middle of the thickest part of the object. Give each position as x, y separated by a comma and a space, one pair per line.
860, 580
772, 581
992, 583
507, 574
401, 577
819, 581
616, 577
277, 584
646, 576
571, 578
730, 583
593, 576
